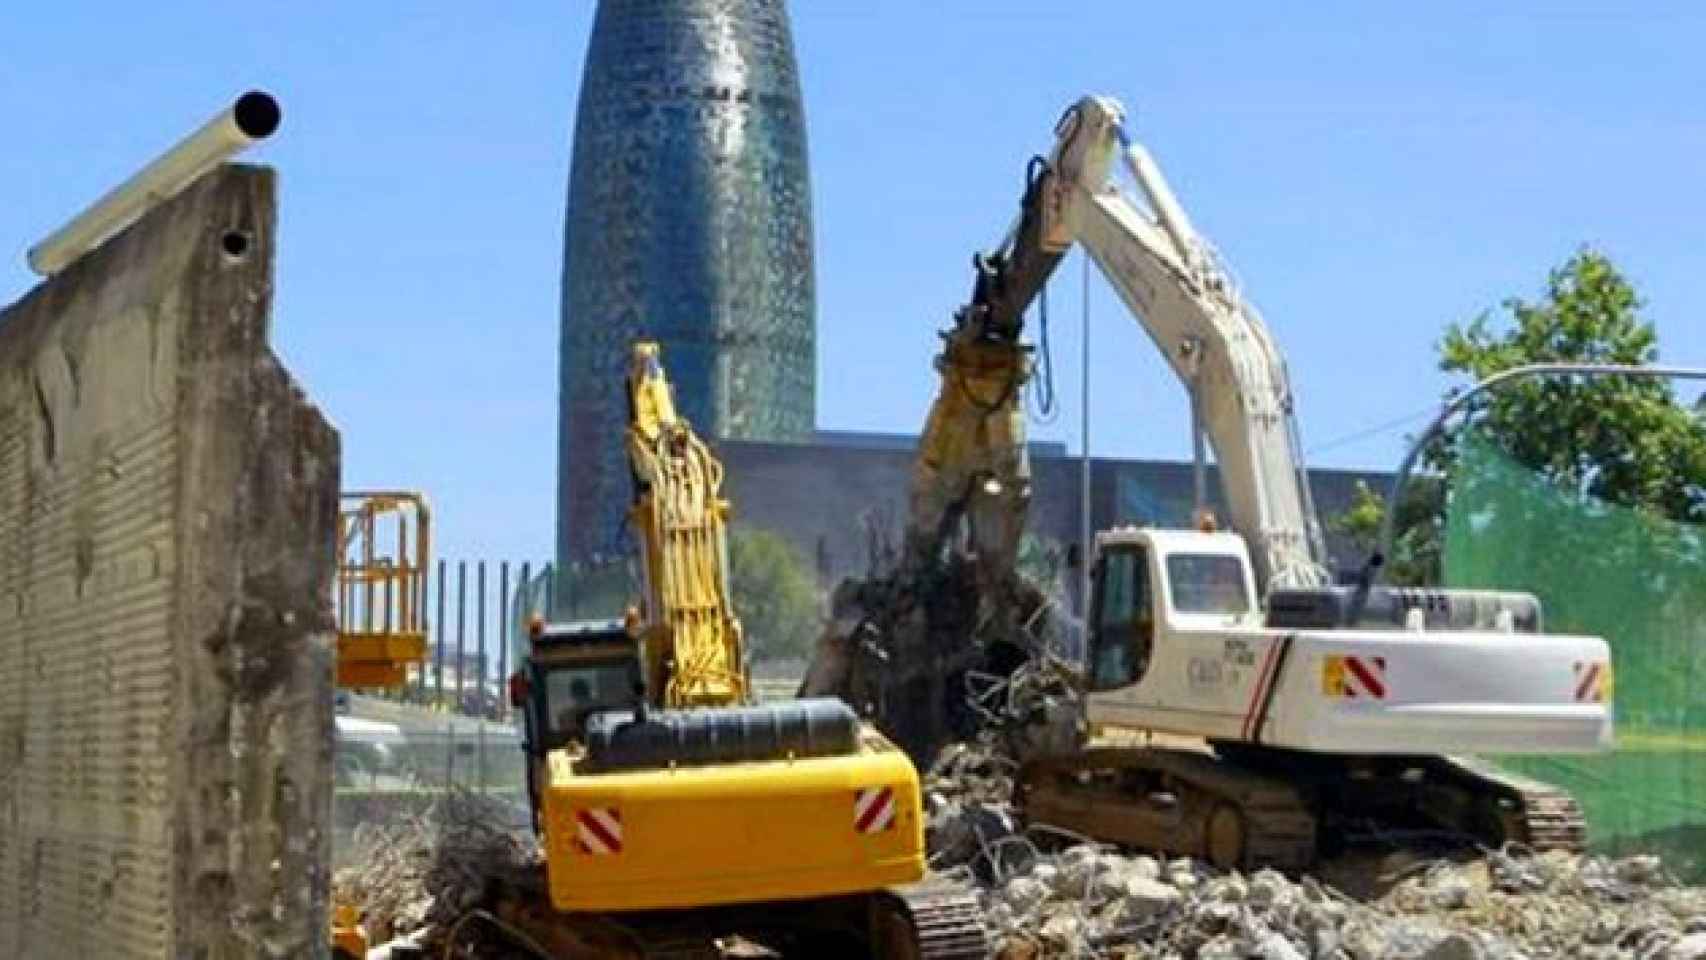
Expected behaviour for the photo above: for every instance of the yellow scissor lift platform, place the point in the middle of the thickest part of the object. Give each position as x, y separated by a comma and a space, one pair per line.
384, 544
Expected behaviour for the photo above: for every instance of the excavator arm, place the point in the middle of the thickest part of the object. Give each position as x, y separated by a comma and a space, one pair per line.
1168, 276
903, 643
972, 456
693, 644
972, 461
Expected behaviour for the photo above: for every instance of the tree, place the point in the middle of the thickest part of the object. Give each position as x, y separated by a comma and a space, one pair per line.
1621, 440
775, 594
1361, 521
1624, 441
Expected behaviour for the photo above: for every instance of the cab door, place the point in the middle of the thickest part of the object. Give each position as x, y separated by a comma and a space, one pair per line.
1122, 617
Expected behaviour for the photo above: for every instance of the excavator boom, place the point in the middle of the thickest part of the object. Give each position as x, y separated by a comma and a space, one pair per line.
693, 641
1173, 284
972, 462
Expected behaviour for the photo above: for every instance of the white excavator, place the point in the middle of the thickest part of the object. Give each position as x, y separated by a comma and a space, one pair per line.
1241, 707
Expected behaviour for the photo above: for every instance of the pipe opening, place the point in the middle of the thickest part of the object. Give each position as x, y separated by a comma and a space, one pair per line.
257, 114
234, 244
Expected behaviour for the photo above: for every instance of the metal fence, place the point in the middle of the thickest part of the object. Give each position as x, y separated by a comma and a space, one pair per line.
475, 613
450, 725
394, 761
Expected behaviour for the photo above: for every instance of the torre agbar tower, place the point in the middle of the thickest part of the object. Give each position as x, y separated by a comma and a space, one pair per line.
689, 221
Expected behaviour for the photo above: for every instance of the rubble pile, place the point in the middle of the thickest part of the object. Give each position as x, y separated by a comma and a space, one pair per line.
935, 650
416, 876
1046, 895
1087, 901
968, 816
1559, 904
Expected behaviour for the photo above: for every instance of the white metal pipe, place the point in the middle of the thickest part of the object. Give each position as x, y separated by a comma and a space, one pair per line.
253, 117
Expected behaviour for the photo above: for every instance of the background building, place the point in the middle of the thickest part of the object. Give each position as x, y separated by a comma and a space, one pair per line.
689, 220
830, 498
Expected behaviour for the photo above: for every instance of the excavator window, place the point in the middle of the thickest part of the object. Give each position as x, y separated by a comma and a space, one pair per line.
1123, 618
574, 691
1208, 583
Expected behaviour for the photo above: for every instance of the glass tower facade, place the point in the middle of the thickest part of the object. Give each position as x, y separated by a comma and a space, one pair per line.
689, 221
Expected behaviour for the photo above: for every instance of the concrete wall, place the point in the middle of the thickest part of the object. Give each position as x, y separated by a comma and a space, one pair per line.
168, 509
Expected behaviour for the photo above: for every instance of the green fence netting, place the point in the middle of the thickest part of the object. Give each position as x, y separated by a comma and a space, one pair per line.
1638, 581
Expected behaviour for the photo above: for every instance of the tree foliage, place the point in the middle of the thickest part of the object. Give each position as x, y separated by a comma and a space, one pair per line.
775, 594
1625, 441
1415, 556
1361, 521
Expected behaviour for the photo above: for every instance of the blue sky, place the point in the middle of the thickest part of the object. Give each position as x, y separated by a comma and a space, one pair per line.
1369, 173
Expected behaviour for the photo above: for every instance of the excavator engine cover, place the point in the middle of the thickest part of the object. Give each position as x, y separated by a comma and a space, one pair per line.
1330, 608
823, 727
789, 828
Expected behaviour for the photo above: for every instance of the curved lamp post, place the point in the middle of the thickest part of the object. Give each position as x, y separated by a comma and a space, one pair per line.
1377, 560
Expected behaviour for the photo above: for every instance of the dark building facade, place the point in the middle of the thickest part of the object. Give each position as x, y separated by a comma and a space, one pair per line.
828, 499
688, 221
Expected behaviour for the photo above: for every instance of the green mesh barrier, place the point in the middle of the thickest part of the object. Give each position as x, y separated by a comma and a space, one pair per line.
1639, 582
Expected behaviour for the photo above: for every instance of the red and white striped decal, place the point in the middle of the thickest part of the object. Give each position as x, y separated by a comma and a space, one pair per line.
873, 809
598, 831
1263, 679
1590, 682
1365, 677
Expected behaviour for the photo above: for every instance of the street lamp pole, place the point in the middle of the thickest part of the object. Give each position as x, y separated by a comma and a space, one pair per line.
1084, 554
1383, 549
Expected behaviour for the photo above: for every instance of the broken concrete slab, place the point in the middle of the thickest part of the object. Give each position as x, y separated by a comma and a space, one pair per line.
168, 512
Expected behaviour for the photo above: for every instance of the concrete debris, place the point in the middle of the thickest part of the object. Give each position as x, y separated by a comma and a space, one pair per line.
415, 877
934, 653
969, 819
1088, 901
1049, 895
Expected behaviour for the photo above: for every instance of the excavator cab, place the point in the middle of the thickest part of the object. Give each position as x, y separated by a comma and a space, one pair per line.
1146, 583
572, 672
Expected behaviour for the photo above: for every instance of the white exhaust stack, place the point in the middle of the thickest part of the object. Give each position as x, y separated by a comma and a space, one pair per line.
251, 119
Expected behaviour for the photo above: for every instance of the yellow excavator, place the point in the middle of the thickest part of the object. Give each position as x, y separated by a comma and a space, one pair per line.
674, 808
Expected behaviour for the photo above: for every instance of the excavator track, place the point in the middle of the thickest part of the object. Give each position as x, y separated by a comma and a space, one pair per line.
1253, 807
1535, 814
936, 919
1180, 802
933, 920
